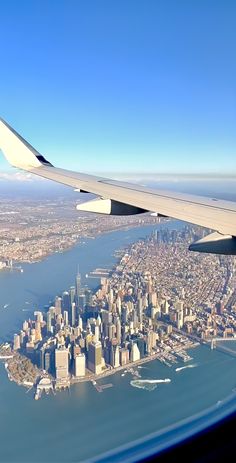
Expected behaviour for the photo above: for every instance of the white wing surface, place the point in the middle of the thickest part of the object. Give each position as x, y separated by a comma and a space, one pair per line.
121, 198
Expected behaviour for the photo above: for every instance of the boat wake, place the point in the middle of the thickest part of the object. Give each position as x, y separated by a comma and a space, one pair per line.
148, 384
192, 365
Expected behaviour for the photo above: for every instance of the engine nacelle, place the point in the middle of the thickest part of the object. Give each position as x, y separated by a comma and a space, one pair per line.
215, 243
109, 207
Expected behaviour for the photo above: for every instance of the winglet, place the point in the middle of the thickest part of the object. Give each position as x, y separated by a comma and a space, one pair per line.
18, 151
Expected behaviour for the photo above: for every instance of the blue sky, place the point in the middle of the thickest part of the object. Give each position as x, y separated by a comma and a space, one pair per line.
130, 85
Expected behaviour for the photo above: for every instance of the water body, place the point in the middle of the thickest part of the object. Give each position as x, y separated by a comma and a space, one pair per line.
83, 423
192, 365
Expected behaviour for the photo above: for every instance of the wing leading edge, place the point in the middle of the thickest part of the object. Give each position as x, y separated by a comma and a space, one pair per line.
123, 198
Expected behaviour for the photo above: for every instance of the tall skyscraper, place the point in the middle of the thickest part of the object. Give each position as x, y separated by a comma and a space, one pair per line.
49, 322
79, 365
134, 353
73, 314
65, 317
95, 357
58, 305
118, 331
72, 292
61, 362
78, 284
66, 301
16, 342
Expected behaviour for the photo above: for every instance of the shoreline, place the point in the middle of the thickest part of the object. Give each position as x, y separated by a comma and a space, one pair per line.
93, 377
122, 227
130, 366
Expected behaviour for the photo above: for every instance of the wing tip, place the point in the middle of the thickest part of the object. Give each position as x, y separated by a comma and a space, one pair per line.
17, 150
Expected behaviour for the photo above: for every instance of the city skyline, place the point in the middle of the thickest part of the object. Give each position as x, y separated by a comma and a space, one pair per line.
155, 303
103, 85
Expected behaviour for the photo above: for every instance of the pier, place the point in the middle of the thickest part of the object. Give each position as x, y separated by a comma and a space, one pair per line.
101, 387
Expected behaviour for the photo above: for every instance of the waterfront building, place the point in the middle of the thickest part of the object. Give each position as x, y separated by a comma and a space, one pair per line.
25, 325
114, 356
16, 342
62, 362
124, 356
142, 347
22, 337
134, 352
80, 362
165, 307
95, 357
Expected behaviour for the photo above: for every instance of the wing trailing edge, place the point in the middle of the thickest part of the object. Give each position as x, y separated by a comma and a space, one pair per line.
121, 198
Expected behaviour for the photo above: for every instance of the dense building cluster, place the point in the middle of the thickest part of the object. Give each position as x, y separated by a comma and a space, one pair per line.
157, 286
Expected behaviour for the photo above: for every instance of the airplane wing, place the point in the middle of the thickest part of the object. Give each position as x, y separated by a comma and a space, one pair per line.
121, 198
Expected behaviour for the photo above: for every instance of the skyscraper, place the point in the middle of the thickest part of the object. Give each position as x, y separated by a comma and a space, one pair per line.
61, 362
49, 322
134, 353
79, 365
16, 343
95, 357
78, 285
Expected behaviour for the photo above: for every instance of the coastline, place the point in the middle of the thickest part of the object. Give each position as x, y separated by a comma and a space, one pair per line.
91, 377
65, 248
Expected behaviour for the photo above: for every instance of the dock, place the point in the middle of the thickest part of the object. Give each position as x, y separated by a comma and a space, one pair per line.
101, 387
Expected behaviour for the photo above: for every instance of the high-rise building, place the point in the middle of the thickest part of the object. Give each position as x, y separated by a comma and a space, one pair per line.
134, 353
61, 362
49, 322
180, 318
38, 336
82, 302
72, 292
38, 315
111, 331
16, 342
79, 365
95, 357
47, 361
66, 301
142, 347
124, 356
165, 307
58, 305
97, 333
65, 317
78, 285
25, 325
118, 331
73, 314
